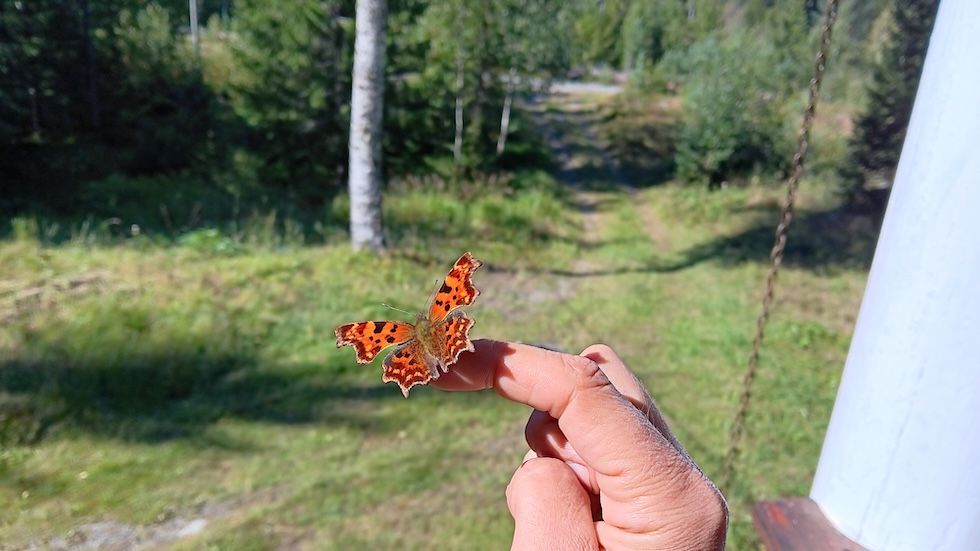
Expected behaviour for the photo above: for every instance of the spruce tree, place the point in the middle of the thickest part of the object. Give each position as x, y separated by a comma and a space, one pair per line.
875, 146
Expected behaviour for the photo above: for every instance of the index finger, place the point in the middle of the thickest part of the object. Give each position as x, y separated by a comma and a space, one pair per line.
630, 457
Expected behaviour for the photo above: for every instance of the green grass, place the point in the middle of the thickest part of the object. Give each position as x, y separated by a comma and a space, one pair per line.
179, 383
190, 371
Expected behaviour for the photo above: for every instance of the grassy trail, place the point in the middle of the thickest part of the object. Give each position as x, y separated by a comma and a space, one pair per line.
191, 397
675, 286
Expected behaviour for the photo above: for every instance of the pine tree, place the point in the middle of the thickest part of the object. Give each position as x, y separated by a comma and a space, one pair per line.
875, 146
290, 84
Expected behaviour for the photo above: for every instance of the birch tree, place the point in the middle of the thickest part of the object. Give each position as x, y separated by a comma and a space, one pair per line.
367, 107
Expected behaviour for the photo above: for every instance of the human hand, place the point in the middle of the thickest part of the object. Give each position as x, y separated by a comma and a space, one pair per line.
604, 470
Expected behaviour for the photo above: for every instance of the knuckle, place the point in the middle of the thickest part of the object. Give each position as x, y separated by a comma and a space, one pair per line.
713, 509
586, 370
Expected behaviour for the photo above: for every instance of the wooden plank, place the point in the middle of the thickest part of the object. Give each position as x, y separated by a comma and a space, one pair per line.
797, 524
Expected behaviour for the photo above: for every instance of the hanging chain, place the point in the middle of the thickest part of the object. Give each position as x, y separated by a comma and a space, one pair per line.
776, 256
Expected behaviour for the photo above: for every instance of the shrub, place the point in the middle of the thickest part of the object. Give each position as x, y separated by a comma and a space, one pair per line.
733, 115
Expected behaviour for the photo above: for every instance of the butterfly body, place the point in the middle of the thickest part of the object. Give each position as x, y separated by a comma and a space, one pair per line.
426, 349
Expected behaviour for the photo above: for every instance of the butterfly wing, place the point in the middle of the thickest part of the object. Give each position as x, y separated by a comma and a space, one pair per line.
370, 337
453, 333
457, 289
408, 365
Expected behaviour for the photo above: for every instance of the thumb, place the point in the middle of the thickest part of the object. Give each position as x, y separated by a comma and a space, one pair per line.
550, 507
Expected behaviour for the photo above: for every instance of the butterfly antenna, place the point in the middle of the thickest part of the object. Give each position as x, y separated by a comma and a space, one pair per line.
432, 294
396, 309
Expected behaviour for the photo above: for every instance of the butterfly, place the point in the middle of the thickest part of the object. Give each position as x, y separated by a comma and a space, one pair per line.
427, 348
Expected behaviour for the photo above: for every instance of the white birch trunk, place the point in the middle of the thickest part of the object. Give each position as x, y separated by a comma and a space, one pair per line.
195, 32
505, 116
367, 107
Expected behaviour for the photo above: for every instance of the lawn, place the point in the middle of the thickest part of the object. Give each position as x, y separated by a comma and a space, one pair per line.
181, 389
191, 396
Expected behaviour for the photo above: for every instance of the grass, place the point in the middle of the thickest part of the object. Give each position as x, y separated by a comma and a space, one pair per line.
147, 382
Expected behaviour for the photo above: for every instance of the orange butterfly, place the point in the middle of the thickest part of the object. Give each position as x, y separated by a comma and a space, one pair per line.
435, 341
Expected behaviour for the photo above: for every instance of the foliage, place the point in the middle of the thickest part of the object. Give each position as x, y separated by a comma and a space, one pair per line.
292, 86
49, 62
875, 147
111, 70
599, 34
110, 96
418, 95
654, 29
735, 105
733, 115
164, 109
478, 44
651, 28
94, 90
177, 382
784, 42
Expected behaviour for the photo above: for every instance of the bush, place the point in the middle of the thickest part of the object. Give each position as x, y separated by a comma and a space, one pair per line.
291, 84
164, 111
733, 115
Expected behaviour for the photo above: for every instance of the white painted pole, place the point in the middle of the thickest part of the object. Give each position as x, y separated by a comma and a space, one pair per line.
900, 467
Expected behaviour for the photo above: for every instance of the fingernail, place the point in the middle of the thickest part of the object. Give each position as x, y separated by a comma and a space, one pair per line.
528, 456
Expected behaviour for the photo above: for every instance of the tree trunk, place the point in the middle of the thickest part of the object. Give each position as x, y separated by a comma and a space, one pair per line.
367, 107
505, 116
195, 32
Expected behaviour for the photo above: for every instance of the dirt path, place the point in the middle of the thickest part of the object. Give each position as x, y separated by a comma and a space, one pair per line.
567, 119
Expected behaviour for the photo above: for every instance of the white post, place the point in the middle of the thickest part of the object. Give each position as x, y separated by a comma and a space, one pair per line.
195, 32
900, 467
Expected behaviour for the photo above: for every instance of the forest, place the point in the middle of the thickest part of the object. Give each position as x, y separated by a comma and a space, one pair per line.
175, 249
110, 111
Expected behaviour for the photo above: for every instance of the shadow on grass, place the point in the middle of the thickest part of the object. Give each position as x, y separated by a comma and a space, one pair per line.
819, 241
162, 397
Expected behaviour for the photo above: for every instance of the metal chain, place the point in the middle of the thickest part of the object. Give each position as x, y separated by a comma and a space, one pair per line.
776, 256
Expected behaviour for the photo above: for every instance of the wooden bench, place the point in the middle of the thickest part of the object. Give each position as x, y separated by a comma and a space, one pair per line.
797, 524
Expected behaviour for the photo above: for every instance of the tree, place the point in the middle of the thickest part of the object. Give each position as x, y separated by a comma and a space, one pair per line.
163, 109
650, 29
367, 108
530, 47
46, 62
599, 32
879, 133
486, 53
290, 84
733, 112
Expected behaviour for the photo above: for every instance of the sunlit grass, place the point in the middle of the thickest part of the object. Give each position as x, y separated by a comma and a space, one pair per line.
187, 383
